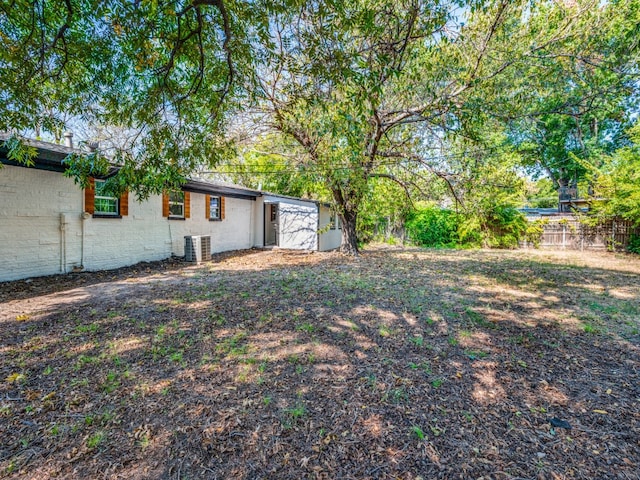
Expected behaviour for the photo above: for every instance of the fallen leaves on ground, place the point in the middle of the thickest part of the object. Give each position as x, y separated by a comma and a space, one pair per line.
401, 363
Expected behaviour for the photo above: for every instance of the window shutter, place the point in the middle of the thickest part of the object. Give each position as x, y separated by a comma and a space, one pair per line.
89, 197
221, 208
165, 204
207, 206
124, 204
187, 205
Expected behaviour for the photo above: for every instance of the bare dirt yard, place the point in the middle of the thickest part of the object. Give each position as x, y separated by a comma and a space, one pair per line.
399, 364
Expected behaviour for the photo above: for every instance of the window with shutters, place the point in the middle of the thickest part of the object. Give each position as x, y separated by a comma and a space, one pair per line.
104, 204
176, 205
214, 208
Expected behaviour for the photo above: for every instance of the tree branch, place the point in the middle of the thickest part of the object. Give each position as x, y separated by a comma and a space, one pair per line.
399, 182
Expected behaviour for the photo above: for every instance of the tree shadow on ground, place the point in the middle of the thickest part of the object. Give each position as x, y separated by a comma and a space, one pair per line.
398, 364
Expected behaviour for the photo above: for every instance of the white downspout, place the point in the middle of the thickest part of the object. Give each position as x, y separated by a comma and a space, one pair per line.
318, 227
61, 269
85, 216
170, 238
63, 243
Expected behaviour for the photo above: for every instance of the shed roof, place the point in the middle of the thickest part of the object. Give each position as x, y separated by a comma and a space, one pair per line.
211, 188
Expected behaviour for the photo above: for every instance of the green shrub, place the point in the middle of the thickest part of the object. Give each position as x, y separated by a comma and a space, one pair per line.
366, 227
547, 202
506, 225
470, 232
534, 231
500, 226
634, 244
433, 227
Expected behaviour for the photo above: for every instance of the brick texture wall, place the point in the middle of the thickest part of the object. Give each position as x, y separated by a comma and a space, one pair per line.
42, 231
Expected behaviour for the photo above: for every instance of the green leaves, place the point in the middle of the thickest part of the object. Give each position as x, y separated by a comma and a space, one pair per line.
617, 182
571, 95
366, 89
164, 72
81, 167
18, 151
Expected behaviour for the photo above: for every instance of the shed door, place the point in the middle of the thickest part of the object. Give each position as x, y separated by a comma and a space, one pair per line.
271, 219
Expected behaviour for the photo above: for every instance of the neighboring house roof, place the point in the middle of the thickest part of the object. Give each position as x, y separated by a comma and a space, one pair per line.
539, 211
578, 202
535, 213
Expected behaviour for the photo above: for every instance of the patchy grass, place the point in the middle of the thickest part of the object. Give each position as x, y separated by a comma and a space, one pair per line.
402, 363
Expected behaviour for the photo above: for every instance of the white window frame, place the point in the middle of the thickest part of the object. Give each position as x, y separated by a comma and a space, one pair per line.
96, 211
174, 202
218, 211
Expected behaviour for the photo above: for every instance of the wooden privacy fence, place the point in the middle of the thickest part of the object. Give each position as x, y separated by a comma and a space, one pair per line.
569, 233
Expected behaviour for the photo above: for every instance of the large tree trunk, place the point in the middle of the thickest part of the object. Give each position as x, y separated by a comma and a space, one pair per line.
349, 244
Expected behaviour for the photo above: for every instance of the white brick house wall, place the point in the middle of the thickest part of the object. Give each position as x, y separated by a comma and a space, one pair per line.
142, 235
235, 232
31, 239
43, 230
35, 205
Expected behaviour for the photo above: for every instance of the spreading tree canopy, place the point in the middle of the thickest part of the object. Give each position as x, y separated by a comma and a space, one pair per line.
578, 103
369, 90
372, 89
165, 72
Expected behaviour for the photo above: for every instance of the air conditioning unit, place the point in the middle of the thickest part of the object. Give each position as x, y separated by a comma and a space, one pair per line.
197, 248
205, 243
